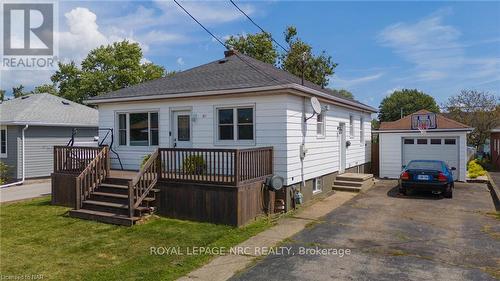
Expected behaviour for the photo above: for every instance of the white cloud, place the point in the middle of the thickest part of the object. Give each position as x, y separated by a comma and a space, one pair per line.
180, 61
436, 51
339, 82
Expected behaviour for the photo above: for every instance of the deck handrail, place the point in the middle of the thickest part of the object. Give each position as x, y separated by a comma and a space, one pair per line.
73, 159
92, 176
140, 186
215, 165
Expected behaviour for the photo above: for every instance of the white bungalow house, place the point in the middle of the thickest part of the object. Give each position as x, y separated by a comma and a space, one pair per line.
240, 102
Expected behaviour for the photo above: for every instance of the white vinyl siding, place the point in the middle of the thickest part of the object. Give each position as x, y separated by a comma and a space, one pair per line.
361, 131
269, 129
323, 154
351, 126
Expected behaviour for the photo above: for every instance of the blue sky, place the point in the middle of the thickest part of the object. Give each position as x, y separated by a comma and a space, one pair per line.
437, 47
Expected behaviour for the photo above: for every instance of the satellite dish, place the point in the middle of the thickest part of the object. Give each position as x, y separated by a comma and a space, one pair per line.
316, 105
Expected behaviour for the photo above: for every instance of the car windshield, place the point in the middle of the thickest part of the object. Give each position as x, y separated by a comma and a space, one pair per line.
421, 165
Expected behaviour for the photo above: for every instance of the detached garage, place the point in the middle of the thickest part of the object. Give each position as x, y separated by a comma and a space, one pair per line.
422, 136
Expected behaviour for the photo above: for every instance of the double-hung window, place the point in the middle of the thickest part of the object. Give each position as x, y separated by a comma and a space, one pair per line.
235, 124
3, 142
320, 125
138, 129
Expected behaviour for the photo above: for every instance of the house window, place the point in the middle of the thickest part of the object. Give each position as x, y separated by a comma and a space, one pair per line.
435, 141
361, 130
138, 129
450, 141
317, 185
351, 126
421, 141
235, 124
320, 125
3, 142
409, 141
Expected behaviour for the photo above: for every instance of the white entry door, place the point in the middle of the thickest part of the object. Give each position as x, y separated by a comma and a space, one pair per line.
432, 148
342, 148
182, 133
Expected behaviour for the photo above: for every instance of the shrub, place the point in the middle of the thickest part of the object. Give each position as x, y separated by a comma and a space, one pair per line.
4, 173
145, 159
194, 164
475, 170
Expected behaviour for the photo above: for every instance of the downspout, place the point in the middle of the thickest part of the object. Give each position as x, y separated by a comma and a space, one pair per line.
24, 168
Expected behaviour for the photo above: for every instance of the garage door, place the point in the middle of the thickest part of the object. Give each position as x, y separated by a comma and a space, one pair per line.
445, 149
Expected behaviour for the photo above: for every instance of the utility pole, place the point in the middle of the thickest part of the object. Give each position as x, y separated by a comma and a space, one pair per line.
401, 112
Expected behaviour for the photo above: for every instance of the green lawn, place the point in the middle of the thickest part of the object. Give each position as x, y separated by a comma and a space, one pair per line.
37, 238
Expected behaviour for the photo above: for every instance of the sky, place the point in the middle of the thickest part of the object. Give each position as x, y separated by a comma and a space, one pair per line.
439, 48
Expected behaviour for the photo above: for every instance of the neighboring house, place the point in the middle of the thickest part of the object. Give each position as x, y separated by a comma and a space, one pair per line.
495, 147
39, 122
240, 102
401, 141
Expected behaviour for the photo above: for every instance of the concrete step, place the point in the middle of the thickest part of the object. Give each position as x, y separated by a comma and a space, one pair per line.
346, 188
105, 217
348, 183
354, 177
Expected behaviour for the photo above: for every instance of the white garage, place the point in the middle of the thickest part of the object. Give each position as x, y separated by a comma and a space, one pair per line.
422, 136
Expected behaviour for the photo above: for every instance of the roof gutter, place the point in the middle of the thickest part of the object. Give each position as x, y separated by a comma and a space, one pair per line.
16, 123
417, 131
291, 86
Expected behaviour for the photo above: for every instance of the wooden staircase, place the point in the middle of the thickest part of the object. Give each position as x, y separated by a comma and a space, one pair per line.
353, 182
109, 203
115, 200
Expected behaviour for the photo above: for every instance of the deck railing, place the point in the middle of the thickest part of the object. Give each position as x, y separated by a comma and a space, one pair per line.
143, 182
73, 159
215, 166
92, 176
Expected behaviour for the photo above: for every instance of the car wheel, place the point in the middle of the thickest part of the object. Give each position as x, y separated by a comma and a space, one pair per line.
403, 190
448, 193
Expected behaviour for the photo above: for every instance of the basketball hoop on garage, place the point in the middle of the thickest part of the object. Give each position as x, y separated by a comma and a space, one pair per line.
423, 122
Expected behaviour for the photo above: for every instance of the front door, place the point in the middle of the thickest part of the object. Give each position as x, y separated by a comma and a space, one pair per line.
342, 147
182, 135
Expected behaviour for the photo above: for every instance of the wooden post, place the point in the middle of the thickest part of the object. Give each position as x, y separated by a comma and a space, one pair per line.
236, 167
130, 200
78, 193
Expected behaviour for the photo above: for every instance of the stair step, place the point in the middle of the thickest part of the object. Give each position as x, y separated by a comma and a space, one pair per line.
354, 177
119, 196
106, 204
348, 183
103, 217
346, 188
114, 185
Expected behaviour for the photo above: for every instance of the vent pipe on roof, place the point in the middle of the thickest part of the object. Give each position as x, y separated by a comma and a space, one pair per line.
229, 52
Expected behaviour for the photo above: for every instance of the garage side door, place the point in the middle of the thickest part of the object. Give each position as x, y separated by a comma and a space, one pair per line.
445, 149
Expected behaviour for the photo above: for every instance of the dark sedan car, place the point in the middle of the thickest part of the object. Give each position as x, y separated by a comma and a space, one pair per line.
431, 175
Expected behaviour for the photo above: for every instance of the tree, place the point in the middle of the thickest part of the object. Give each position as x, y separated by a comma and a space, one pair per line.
45, 88
298, 60
406, 100
480, 110
105, 69
2, 95
343, 92
18, 91
258, 46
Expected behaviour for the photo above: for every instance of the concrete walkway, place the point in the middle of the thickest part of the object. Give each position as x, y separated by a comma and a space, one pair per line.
224, 267
28, 190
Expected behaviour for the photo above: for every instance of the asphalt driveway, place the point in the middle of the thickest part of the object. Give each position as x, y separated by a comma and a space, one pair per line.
392, 237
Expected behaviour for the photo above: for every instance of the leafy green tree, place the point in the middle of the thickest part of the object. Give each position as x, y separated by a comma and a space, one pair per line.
18, 91
300, 60
406, 100
343, 92
105, 69
480, 110
45, 88
2, 95
258, 46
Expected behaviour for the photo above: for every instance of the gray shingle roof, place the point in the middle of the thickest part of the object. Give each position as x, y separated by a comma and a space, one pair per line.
47, 109
233, 72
